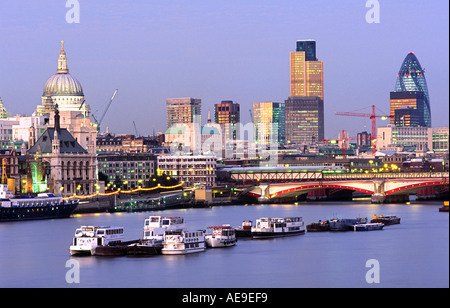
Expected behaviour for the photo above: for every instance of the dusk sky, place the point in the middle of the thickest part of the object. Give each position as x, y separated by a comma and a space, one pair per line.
220, 50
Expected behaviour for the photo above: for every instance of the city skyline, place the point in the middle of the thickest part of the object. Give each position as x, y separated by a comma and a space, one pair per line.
216, 52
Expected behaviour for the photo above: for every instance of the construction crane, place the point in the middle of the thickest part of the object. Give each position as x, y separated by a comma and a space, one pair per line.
373, 117
135, 128
98, 123
344, 139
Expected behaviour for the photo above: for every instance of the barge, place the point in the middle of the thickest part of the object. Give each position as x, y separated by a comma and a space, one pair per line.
386, 220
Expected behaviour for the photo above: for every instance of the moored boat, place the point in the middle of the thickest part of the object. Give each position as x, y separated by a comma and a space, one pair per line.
245, 230
181, 242
368, 226
386, 220
144, 248
320, 226
345, 224
154, 229
444, 208
88, 238
220, 236
42, 206
278, 227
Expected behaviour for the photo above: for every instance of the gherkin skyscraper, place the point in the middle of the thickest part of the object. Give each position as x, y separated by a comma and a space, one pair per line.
411, 80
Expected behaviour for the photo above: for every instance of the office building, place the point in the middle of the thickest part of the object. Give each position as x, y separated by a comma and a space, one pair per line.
306, 72
410, 105
198, 170
183, 111
269, 121
407, 116
439, 139
131, 170
411, 78
227, 114
304, 119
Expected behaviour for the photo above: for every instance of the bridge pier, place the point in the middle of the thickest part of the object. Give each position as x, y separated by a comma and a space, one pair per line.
379, 195
265, 193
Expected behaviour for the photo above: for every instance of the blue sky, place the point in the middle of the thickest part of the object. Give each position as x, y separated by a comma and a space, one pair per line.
220, 50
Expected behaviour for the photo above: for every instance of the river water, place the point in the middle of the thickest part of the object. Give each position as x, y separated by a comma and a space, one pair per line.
412, 254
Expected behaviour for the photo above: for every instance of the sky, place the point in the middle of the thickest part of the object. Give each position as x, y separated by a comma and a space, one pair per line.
151, 50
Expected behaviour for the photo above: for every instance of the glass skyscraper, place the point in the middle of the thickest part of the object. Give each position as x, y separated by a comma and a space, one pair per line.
269, 120
306, 71
228, 114
304, 108
304, 119
183, 111
411, 82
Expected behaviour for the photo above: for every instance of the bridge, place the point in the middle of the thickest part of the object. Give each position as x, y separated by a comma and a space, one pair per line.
268, 184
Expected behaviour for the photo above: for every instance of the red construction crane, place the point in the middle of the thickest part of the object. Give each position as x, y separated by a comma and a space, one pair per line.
344, 139
373, 117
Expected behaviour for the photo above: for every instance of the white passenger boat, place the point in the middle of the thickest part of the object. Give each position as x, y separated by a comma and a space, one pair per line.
220, 236
180, 242
88, 238
155, 226
154, 229
278, 227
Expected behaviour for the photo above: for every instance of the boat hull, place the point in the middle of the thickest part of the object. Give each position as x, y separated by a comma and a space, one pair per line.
37, 213
143, 250
182, 251
109, 251
345, 224
318, 227
243, 233
217, 243
386, 222
80, 250
268, 234
369, 227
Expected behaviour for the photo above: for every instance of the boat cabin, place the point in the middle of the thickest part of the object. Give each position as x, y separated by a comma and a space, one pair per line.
103, 235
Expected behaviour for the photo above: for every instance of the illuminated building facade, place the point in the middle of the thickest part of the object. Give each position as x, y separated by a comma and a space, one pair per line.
410, 105
440, 140
269, 121
407, 116
304, 119
3, 112
131, 170
228, 114
306, 71
411, 81
183, 111
192, 170
59, 164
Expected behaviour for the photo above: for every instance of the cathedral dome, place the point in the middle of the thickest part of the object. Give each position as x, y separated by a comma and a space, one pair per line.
62, 83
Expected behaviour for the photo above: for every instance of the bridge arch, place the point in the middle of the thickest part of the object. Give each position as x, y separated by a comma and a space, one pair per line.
414, 187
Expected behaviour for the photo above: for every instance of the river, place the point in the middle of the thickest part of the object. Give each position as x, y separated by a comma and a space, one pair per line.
412, 254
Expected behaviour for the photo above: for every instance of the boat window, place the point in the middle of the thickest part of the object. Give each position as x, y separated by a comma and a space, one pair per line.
101, 232
166, 222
